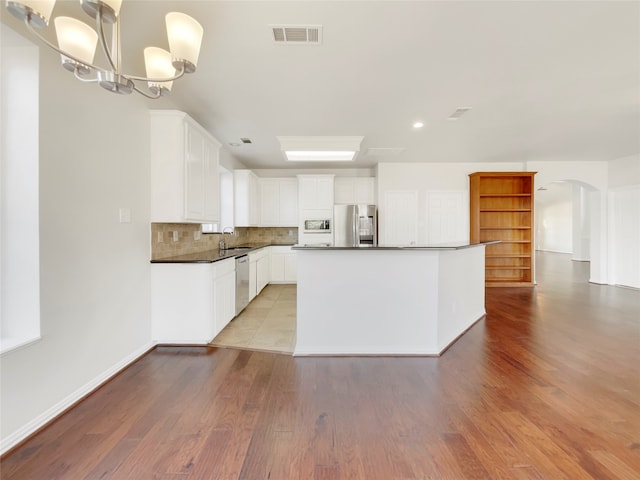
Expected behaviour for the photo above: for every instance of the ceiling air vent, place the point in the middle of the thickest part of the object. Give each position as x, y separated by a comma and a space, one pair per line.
297, 34
384, 151
458, 113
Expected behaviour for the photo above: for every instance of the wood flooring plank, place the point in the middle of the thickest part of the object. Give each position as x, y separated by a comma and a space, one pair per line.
545, 387
618, 469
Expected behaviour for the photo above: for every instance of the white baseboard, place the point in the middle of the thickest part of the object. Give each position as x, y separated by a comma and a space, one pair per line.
41, 420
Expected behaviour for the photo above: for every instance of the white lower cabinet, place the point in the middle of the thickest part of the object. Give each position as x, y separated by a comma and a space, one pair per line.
191, 302
284, 265
263, 271
253, 283
224, 292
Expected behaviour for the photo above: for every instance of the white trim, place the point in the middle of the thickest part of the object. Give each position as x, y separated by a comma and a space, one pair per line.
50, 414
355, 350
11, 344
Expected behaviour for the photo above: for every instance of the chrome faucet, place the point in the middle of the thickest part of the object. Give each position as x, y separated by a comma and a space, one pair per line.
222, 245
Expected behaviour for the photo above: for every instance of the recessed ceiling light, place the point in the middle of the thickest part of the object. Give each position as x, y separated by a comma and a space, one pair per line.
320, 156
418, 125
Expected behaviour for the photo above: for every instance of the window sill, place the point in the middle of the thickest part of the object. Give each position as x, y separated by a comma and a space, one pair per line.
11, 344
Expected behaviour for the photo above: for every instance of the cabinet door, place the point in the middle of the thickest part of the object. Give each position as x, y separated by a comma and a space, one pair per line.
246, 203
363, 191
324, 193
194, 174
263, 272
344, 191
277, 267
270, 204
224, 298
288, 202
358, 190
316, 192
212, 182
184, 170
252, 278
291, 268
254, 200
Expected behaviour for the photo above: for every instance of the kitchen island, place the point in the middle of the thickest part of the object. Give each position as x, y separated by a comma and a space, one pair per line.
387, 300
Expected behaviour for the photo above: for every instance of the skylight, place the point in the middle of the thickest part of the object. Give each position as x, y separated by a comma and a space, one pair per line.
320, 149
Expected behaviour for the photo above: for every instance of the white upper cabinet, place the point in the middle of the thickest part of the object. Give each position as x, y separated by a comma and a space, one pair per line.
279, 202
288, 202
355, 190
246, 202
316, 192
184, 170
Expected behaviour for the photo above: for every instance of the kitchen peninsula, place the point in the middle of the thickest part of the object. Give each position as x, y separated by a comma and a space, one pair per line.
387, 300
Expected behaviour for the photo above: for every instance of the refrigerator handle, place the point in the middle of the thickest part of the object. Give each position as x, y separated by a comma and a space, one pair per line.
356, 227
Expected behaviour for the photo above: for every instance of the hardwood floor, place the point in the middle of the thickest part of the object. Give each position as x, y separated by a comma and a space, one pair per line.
546, 387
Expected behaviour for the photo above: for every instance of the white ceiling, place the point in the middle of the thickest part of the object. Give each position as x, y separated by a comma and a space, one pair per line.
545, 80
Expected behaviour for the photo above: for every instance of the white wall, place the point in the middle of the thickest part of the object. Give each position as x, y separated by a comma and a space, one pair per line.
624, 172
555, 223
430, 180
95, 294
624, 221
581, 213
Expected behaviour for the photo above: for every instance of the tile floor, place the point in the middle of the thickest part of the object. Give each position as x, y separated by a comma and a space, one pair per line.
268, 323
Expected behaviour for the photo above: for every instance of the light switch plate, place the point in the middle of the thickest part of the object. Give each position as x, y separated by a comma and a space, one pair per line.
125, 215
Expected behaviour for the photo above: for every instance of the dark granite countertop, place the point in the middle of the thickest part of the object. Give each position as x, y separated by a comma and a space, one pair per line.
211, 256
444, 246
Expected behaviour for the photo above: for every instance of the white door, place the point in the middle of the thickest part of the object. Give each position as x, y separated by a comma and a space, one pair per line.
447, 217
401, 217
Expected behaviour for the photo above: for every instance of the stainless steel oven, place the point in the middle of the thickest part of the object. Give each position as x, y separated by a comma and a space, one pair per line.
317, 226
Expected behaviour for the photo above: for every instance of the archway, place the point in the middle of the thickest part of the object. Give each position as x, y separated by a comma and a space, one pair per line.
567, 216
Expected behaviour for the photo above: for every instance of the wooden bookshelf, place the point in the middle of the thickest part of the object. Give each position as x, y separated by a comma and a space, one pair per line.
501, 208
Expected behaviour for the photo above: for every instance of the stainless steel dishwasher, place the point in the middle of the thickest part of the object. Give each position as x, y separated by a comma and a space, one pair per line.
242, 282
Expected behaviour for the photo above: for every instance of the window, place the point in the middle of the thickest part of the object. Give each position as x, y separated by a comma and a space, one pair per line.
19, 219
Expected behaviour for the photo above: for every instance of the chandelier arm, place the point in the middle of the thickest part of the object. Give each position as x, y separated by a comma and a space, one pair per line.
54, 47
158, 80
78, 75
103, 40
145, 94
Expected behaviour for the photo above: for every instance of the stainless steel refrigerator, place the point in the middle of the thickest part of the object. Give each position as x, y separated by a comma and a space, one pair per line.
355, 225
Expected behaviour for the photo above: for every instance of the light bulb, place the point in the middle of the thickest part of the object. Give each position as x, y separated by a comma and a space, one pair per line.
185, 38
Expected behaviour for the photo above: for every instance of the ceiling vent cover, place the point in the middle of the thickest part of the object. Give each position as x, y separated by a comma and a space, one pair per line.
297, 34
384, 151
458, 113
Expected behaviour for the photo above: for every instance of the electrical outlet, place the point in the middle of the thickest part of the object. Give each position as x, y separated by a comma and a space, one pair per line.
160, 238
291, 233
175, 236
196, 235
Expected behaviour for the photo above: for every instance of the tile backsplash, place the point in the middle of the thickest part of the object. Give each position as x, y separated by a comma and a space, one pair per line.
171, 239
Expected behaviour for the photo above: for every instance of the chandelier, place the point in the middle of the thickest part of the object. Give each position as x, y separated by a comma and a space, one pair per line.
77, 43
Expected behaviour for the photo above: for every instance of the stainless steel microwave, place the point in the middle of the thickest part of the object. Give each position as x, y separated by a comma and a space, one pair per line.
317, 226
